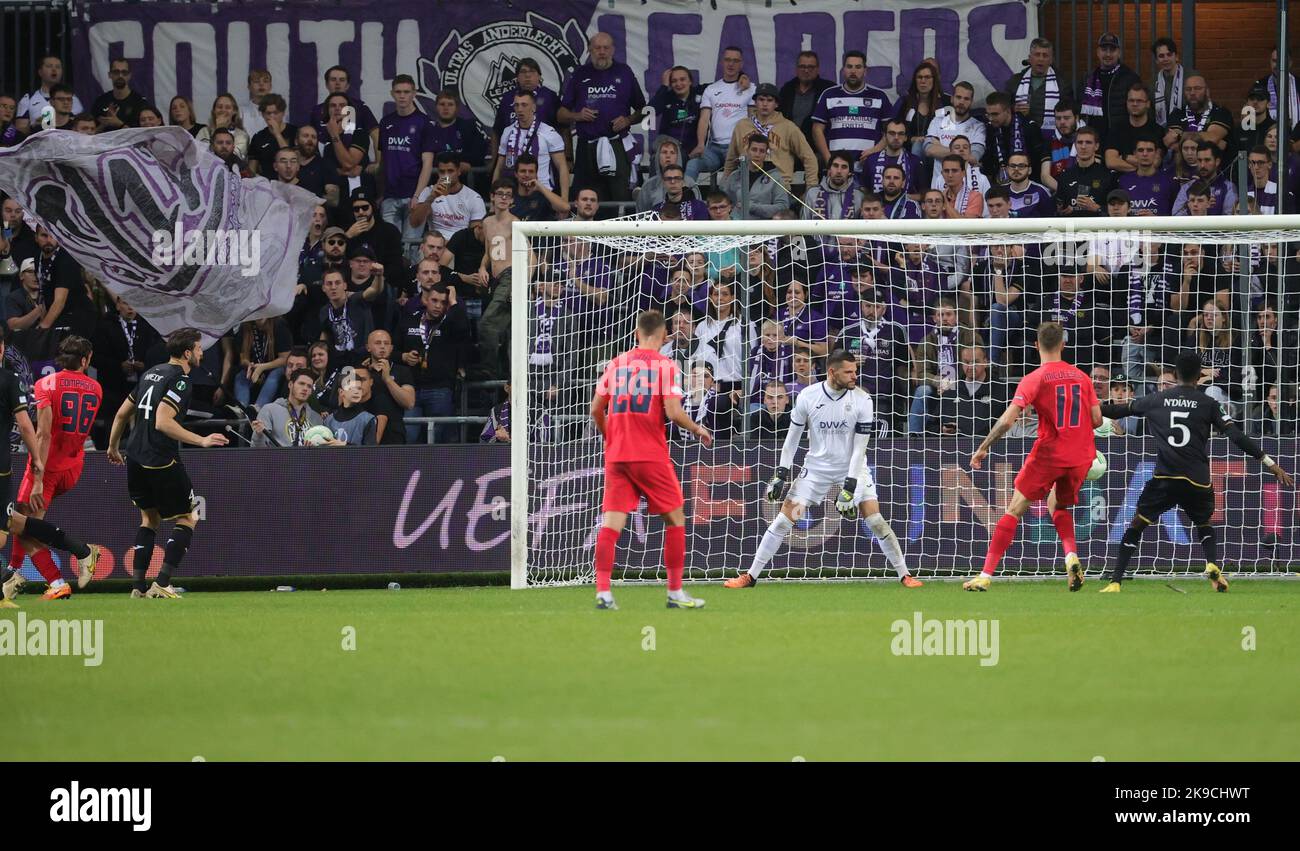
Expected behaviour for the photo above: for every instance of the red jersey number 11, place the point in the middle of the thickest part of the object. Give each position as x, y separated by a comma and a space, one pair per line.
1067, 407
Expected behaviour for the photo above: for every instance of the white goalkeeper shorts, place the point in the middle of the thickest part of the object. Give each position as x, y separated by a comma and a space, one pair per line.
811, 487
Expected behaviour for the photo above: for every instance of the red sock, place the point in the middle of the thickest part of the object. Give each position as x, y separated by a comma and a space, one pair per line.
605, 543
1063, 520
17, 554
45, 564
675, 555
1003, 534
1272, 512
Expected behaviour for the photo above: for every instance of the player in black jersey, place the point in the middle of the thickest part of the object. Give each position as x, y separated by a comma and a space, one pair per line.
1181, 419
14, 402
155, 477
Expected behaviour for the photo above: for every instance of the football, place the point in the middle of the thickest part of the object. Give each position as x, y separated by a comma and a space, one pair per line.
1098, 468
321, 435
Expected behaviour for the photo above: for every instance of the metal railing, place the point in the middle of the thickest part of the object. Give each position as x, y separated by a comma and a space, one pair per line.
27, 30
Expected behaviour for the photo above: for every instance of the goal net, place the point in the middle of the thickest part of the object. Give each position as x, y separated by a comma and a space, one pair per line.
942, 317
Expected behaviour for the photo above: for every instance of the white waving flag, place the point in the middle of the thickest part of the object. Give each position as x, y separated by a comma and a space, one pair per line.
164, 223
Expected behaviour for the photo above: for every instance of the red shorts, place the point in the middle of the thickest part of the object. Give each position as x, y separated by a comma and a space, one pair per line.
55, 482
627, 481
1036, 479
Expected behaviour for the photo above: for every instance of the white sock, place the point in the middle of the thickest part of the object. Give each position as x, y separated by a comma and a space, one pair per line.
888, 542
772, 540
58, 583
607, 596
679, 594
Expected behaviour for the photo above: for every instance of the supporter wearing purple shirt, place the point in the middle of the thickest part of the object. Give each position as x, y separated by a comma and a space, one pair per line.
893, 153
893, 198
1029, 199
9, 135
339, 81
917, 282
528, 78
850, 116
770, 360
677, 105
449, 132
407, 159
880, 345
691, 209
1150, 188
803, 327
602, 99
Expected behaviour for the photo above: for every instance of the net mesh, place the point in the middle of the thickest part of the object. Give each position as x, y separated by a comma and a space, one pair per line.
943, 327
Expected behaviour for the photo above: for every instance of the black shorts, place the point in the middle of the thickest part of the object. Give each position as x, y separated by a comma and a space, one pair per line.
1160, 495
6, 490
166, 489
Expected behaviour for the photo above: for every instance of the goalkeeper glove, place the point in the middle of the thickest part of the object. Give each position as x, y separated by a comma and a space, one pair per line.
844, 503
777, 486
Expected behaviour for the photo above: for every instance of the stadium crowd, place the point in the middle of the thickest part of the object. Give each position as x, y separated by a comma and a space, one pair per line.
405, 281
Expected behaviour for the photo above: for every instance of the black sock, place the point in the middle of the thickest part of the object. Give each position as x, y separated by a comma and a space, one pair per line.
174, 552
54, 537
143, 552
1209, 543
1128, 545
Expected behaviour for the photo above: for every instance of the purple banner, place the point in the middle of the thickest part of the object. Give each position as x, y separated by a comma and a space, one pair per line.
201, 50
395, 510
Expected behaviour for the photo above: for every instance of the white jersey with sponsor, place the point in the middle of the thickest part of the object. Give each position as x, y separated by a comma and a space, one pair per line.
729, 106
832, 420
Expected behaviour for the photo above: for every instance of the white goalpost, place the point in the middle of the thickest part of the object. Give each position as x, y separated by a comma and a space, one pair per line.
941, 315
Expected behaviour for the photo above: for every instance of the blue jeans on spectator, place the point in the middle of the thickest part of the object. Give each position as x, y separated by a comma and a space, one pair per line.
1001, 319
431, 402
713, 159
922, 400
272, 384
397, 212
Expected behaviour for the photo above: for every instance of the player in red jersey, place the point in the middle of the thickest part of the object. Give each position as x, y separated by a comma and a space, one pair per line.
66, 405
638, 392
1056, 466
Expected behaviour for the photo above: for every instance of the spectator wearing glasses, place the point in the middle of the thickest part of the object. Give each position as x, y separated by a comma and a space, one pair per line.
1029, 199
369, 231
285, 167
62, 101
798, 97
1261, 188
50, 71
676, 195
119, 107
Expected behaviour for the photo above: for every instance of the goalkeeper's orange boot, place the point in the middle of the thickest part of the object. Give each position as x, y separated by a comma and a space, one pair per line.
63, 592
911, 581
744, 580
1218, 581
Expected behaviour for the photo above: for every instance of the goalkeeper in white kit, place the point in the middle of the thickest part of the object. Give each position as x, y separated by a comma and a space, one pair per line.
839, 416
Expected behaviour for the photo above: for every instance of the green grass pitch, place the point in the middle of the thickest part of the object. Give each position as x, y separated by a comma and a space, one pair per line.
773, 673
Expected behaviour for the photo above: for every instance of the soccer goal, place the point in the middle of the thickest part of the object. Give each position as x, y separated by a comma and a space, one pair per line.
942, 317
